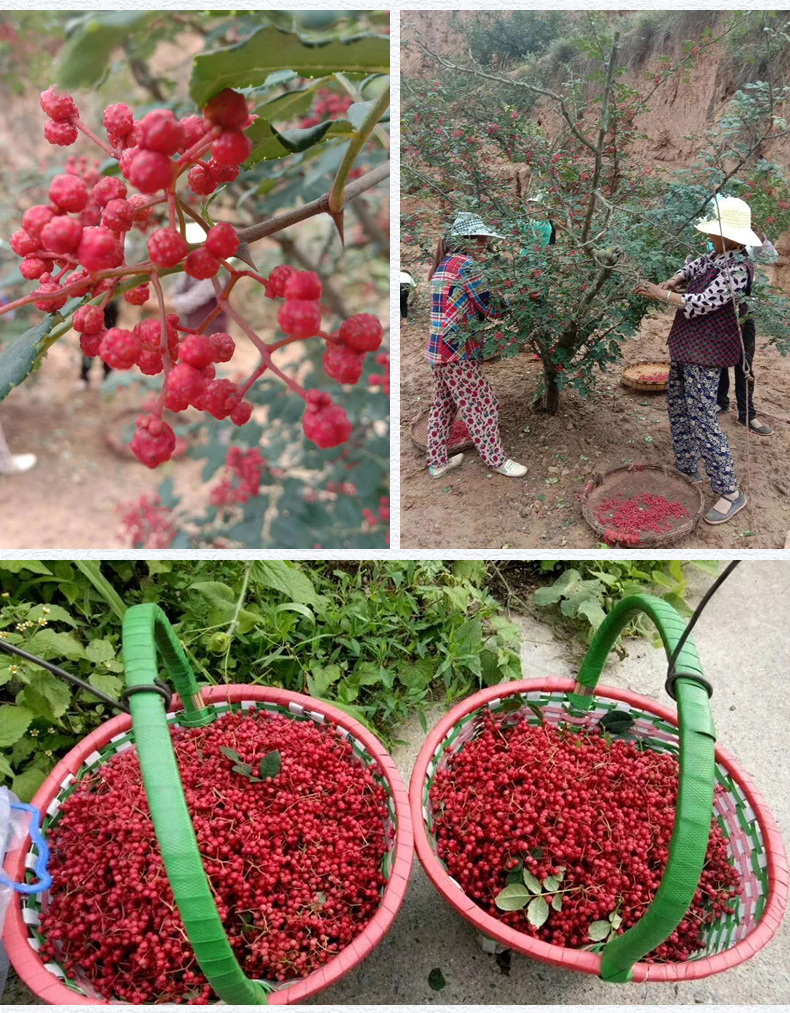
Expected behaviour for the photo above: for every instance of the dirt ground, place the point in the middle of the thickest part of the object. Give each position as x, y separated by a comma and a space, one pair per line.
473, 507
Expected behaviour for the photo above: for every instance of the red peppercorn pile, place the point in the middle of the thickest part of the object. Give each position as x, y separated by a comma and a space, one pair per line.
643, 512
593, 812
294, 861
654, 377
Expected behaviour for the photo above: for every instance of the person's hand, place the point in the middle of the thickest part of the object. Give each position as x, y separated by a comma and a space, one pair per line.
650, 291
670, 285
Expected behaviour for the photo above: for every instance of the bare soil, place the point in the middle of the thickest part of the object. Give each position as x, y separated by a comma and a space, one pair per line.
472, 507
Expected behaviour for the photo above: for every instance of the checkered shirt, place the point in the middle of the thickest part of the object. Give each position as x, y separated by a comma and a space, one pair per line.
458, 300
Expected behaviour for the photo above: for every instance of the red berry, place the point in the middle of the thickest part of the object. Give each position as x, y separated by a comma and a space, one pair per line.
222, 396
153, 442
22, 244
303, 285
118, 119
49, 305
149, 332
141, 212
76, 276
150, 363
343, 364
160, 131
194, 129
62, 134
88, 320
185, 382
231, 147
99, 250
151, 171
138, 296
276, 282
223, 346
200, 264
362, 332
32, 267
166, 247
324, 423
90, 216
91, 343
61, 235
120, 348
109, 188
57, 104
241, 414
300, 318
222, 241
35, 218
200, 180
227, 109
118, 216
222, 173
128, 155
69, 193
196, 350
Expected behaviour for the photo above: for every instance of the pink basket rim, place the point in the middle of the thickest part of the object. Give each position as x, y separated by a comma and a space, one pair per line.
581, 960
47, 986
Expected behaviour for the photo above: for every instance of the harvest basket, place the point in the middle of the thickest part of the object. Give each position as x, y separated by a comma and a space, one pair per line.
634, 376
146, 631
632, 480
754, 844
419, 437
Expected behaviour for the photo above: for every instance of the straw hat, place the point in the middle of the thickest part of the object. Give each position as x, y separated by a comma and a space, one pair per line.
538, 198
736, 222
468, 224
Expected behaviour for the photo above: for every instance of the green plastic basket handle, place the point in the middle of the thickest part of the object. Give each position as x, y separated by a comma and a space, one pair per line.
689, 841
146, 634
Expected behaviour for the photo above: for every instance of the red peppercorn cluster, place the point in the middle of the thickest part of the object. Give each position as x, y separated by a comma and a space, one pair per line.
328, 105
245, 467
459, 432
75, 247
294, 861
628, 518
653, 377
595, 812
146, 524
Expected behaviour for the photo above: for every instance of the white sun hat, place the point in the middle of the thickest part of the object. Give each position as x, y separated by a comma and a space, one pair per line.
468, 224
736, 222
538, 198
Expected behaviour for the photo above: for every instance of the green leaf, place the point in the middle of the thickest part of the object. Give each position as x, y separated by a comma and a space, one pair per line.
556, 902
14, 722
295, 606
537, 912
51, 613
270, 764
300, 139
248, 63
436, 979
547, 596
45, 695
287, 578
472, 570
26, 784
290, 104
513, 897
532, 882
49, 644
468, 638
321, 678
109, 684
551, 884
100, 651
591, 609
230, 753
18, 565
616, 722
269, 145
5, 767
616, 920
599, 930
18, 360
216, 593
83, 60
91, 569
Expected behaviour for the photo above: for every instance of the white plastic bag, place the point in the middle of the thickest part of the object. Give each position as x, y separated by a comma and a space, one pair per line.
13, 830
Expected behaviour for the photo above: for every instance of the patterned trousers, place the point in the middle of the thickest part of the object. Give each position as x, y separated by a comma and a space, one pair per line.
462, 389
5, 453
691, 400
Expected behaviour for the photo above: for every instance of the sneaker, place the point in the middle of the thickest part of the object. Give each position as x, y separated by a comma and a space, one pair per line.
512, 469
454, 462
725, 508
19, 463
761, 428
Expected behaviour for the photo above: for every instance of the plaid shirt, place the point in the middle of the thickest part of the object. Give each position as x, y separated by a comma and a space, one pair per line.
458, 299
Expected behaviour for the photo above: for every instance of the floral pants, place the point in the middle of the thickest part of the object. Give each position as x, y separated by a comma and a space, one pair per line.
691, 400
462, 389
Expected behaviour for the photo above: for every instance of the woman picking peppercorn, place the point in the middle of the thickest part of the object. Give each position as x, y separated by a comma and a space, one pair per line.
459, 302
706, 336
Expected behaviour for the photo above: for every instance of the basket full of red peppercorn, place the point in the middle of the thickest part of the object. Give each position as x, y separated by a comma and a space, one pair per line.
596, 830
235, 844
458, 440
650, 377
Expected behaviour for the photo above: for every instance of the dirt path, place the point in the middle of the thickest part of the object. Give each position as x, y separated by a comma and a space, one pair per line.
475, 508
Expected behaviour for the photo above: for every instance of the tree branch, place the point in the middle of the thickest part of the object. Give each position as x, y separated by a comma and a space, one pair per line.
603, 129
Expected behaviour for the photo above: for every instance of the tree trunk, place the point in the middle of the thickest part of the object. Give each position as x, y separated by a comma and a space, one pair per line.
548, 399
